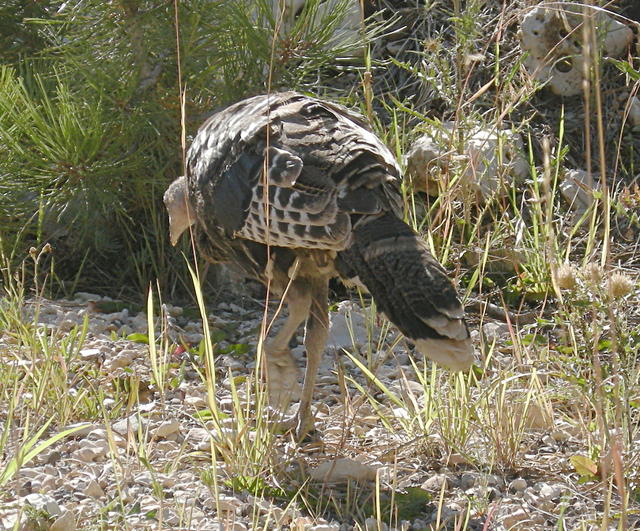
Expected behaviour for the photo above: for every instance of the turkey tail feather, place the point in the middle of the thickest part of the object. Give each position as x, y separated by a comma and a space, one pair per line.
410, 287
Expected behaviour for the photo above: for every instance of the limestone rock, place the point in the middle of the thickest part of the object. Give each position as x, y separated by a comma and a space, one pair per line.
487, 161
577, 189
552, 39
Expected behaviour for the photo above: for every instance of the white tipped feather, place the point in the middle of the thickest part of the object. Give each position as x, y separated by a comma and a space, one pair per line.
452, 328
457, 355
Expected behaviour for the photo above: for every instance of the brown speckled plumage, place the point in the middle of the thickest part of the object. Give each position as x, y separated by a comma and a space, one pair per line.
297, 190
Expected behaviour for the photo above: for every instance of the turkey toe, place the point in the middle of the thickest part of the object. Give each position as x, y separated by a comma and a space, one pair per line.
282, 379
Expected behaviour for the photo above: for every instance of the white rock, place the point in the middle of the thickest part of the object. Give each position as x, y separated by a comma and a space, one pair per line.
493, 157
13, 520
144, 478
101, 449
426, 155
122, 315
495, 331
348, 328
199, 438
518, 485
229, 504
550, 492
401, 413
301, 523
343, 469
193, 338
489, 162
48, 483
43, 502
93, 490
435, 483
67, 324
237, 309
449, 511
167, 447
230, 362
372, 524
634, 111
125, 330
195, 401
131, 423
470, 479
457, 459
139, 323
28, 473
174, 311
577, 189
83, 296
170, 517
97, 434
299, 352
553, 43
531, 497
120, 360
87, 454
90, 354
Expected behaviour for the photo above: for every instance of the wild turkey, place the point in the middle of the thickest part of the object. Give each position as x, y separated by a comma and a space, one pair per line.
295, 191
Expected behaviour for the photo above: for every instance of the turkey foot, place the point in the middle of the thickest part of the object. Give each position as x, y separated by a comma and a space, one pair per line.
283, 388
282, 378
300, 424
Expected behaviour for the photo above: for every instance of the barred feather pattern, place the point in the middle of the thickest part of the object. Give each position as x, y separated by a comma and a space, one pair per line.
338, 155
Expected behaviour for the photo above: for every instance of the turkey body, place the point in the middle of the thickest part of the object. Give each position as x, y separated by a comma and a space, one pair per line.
294, 191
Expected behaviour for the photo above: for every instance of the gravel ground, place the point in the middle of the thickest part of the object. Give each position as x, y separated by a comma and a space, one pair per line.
149, 465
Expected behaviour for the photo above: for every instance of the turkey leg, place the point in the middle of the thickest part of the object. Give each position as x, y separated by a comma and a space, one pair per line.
282, 371
315, 340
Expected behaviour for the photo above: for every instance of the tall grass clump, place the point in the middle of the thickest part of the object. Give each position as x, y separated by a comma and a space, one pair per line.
37, 406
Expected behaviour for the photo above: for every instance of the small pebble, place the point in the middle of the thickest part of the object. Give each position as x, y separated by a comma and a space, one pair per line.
468, 480
65, 522
45, 503
86, 454
435, 483
90, 354
518, 485
166, 428
93, 490
550, 492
